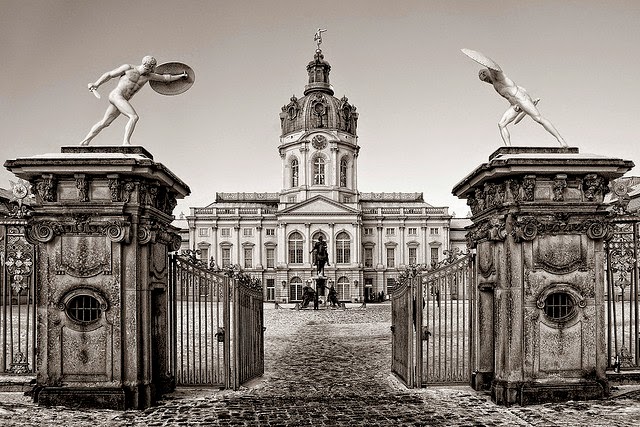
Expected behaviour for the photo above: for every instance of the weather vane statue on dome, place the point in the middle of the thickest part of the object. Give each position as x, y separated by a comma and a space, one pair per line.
318, 37
521, 102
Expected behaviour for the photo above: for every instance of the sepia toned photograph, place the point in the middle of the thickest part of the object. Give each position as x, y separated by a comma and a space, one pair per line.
303, 213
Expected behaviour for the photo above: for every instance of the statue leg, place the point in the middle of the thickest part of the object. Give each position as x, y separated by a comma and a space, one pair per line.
508, 117
109, 116
532, 110
126, 109
551, 129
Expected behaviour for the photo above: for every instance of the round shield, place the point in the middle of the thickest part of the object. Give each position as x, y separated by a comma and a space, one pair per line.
175, 87
481, 59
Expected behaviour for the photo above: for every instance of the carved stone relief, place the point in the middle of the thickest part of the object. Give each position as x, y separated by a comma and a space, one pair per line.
83, 256
46, 188
559, 184
594, 187
560, 254
82, 184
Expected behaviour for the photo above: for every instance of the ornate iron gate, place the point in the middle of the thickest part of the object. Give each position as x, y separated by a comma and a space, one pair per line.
447, 316
431, 318
17, 287
623, 320
216, 326
405, 321
248, 333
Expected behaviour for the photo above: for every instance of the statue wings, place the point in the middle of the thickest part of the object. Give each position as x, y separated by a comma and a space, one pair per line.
482, 59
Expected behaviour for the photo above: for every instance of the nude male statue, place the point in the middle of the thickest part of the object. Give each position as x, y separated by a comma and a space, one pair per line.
132, 78
521, 102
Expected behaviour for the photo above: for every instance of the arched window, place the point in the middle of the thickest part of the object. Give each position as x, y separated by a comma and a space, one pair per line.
295, 289
343, 248
318, 171
343, 289
295, 171
295, 248
343, 172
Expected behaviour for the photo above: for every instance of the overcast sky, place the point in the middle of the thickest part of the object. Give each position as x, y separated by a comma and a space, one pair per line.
425, 118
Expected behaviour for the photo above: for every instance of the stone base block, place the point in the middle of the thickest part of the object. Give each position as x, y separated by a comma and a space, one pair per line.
82, 397
481, 380
531, 393
624, 377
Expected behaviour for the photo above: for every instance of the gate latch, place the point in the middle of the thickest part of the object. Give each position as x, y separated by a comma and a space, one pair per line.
220, 334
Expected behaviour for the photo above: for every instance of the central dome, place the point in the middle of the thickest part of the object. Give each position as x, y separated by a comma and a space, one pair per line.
318, 108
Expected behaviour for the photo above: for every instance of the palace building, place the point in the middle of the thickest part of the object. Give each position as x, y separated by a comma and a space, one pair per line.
371, 237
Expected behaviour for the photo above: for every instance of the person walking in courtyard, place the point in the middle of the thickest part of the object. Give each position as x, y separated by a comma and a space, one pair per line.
132, 79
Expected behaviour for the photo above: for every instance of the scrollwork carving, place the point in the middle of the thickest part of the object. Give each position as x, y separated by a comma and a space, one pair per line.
528, 227
144, 234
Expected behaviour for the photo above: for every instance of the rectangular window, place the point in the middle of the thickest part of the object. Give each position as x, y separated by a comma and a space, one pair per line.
434, 230
368, 231
225, 232
391, 257
346, 199
203, 232
434, 255
270, 232
226, 257
343, 252
391, 231
247, 232
413, 256
271, 258
295, 252
204, 254
271, 289
248, 257
391, 284
292, 199
413, 231
368, 257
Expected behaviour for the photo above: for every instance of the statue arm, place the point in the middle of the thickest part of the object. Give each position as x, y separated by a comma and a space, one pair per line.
111, 74
168, 77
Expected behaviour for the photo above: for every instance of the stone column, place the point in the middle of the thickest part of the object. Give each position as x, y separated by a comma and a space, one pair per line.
259, 250
539, 221
102, 226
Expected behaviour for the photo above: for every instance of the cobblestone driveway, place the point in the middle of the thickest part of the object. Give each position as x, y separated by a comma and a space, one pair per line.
329, 368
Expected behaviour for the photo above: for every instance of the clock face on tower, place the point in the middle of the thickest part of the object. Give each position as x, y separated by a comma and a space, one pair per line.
319, 142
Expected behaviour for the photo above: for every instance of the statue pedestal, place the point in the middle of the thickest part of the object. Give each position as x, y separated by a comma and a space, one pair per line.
538, 227
102, 227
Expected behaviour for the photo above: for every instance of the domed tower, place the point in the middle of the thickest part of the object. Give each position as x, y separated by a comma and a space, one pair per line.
319, 144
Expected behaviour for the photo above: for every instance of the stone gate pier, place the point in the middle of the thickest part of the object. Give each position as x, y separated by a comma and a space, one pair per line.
539, 223
102, 228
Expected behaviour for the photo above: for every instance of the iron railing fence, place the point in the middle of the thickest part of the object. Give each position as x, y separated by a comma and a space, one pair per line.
622, 291
18, 297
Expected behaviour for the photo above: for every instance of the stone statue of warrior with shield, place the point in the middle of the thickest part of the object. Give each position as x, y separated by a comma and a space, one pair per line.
521, 102
171, 78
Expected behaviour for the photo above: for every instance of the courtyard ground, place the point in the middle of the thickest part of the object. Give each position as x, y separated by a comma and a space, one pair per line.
330, 368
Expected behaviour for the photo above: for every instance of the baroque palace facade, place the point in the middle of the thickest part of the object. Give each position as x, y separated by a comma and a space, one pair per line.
371, 237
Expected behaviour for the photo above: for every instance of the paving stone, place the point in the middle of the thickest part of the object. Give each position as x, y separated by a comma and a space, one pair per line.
330, 368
